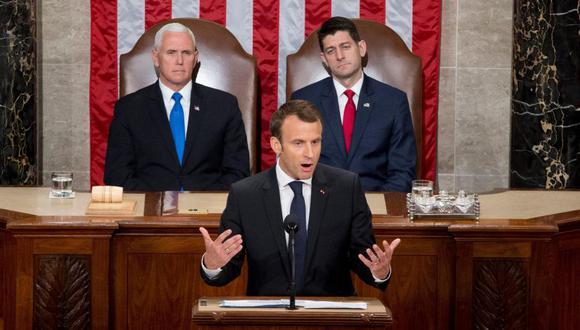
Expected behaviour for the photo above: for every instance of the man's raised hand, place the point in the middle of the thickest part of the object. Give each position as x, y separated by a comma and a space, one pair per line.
219, 252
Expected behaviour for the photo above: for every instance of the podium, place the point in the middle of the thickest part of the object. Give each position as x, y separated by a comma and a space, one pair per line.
208, 315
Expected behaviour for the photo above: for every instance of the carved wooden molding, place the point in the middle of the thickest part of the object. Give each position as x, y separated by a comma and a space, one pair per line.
62, 292
500, 294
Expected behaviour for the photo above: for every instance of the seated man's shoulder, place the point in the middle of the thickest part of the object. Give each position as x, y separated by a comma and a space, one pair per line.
214, 93
336, 174
313, 88
385, 88
137, 97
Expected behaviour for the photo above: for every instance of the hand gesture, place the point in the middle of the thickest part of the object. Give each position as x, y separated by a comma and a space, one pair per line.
219, 252
379, 261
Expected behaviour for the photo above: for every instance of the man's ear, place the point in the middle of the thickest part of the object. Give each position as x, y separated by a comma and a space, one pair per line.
155, 57
362, 48
276, 145
323, 59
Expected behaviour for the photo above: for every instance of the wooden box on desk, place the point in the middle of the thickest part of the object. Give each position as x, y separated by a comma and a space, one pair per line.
208, 315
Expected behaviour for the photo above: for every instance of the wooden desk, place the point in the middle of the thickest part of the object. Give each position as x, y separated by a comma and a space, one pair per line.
208, 315
507, 270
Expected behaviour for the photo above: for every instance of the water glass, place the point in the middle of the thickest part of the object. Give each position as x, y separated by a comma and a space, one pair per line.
422, 189
61, 184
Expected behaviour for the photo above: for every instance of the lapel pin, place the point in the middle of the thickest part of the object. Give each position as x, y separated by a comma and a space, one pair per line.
367, 105
196, 107
323, 191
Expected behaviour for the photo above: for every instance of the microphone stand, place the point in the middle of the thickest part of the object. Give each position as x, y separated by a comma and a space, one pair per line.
293, 266
291, 227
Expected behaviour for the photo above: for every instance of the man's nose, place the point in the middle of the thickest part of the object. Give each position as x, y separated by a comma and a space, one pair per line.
339, 54
308, 151
179, 58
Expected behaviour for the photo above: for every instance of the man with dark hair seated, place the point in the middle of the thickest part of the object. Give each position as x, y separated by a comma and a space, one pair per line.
368, 126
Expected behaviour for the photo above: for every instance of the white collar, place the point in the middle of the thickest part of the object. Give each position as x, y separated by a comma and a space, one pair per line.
284, 179
355, 88
168, 92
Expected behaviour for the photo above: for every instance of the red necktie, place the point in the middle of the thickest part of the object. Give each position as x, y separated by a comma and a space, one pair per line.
348, 119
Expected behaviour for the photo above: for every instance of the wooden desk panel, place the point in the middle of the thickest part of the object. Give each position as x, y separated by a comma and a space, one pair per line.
447, 273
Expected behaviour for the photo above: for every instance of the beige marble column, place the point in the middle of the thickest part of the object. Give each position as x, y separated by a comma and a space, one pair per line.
65, 43
474, 95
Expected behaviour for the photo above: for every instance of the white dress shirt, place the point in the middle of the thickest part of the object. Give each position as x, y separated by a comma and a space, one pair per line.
342, 98
168, 101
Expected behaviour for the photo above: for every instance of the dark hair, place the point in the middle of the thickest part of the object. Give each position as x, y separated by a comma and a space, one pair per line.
304, 110
335, 24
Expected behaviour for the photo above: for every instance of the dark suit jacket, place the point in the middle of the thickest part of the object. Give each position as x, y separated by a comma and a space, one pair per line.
383, 150
141, 153
339, 229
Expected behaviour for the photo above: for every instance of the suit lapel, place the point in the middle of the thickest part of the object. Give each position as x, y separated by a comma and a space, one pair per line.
197, 111
319, 196
363, 113
271, 200
332, 114
159, 119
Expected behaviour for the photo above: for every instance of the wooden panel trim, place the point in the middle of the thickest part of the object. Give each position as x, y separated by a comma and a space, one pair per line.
164, 244
56, 246
502, 249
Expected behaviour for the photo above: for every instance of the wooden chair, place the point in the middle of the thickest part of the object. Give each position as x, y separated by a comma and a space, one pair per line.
388, 60
223, 64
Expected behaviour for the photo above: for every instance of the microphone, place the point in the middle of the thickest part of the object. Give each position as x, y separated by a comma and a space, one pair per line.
290, 224
291, 227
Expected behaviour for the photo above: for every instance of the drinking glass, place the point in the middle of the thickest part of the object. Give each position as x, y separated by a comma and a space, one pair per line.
61, 184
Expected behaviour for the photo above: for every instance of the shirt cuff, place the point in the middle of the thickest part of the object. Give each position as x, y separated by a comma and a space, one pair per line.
213, 273
377, 280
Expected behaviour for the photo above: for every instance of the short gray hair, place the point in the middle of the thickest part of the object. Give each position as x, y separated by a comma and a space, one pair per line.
171, 27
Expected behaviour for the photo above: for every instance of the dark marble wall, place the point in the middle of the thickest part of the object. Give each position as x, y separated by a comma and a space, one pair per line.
18, 97
545, 135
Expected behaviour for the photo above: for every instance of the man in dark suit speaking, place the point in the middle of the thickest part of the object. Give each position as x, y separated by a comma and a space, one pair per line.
368, 126
176, 134
334, 221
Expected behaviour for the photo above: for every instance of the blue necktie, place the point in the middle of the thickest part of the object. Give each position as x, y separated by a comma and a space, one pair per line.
177, 124
298, 208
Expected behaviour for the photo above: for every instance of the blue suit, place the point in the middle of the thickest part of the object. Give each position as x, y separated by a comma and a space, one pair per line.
383, 150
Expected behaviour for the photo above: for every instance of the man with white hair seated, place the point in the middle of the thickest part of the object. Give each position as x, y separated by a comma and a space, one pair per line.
176, 134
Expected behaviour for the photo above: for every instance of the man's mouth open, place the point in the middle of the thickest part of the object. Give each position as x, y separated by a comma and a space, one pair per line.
307, 167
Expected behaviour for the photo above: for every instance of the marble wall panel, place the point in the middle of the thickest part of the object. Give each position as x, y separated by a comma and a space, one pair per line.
446, 120
484, 36
446, 182
66, 58
66, 31
474, 103
481, 183
18, 97
448, 33
483, 113
546, 95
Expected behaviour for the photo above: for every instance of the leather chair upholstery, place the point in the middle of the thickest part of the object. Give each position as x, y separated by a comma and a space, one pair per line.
388, 60
223, 64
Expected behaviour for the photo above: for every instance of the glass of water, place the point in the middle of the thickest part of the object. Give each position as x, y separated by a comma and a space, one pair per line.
422, 188
61, 184
422, 191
